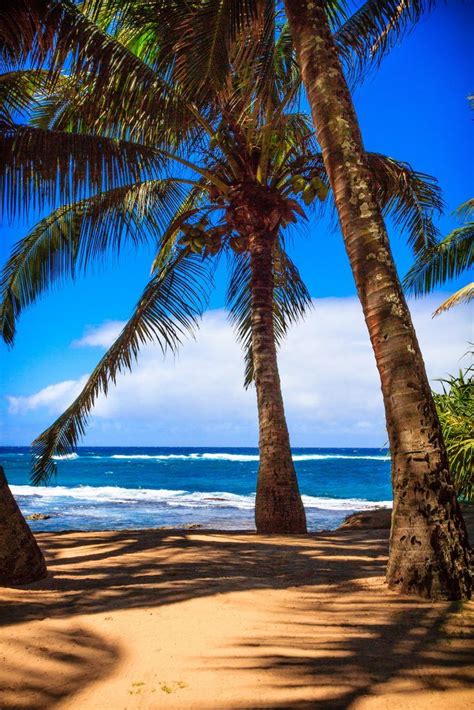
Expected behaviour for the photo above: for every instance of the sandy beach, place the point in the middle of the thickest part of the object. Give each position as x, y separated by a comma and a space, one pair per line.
211, 620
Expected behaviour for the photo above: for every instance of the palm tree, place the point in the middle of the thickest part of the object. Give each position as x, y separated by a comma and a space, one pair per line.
429, 548
21, 560
444, 260
251, 179
428, 542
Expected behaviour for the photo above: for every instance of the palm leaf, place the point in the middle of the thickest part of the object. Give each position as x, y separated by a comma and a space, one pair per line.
119, 85
203, 53
462, 295
74, 236
410, 197
167, 311
19, 90
19, 24
445, 260
39, 167
377, 26
455, 408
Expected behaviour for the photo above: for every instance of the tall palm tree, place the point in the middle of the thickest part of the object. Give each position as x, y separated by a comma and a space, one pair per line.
444, 260
255, 165
428, 543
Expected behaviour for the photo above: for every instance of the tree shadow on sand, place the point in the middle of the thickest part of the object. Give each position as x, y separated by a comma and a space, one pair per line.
333, 654
133, 569
41, 671
346, 638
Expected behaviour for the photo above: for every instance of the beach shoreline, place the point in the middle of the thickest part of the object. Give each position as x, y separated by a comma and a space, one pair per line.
113, 488
205, 619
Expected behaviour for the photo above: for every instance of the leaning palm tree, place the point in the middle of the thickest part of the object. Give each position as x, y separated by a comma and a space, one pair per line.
255, 167
428, 540
444, 260
428, 543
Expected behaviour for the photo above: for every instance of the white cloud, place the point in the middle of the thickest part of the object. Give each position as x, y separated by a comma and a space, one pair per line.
55, 397
330, 383
101, 336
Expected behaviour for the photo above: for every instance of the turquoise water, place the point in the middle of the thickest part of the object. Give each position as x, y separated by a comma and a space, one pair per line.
102, 488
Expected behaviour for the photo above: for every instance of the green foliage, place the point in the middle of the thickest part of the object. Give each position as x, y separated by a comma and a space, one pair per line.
455, 407
446, 259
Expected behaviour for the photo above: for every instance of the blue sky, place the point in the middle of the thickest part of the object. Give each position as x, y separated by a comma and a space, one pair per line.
415, 109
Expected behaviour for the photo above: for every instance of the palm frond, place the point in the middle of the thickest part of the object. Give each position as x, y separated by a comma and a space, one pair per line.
191, 205
371, 32
20, 21
465, 211
74, 236
114, 85
463, 295
39, 168
203, 53
410, 197
167, 311
445, 260
19, 90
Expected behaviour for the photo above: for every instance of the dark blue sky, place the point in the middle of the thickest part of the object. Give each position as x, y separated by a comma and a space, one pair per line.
413, 108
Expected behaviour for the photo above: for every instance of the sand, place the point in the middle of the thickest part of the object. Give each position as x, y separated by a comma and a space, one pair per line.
212, 620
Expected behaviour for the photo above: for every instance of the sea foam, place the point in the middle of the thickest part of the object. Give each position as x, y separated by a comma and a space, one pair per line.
241, 457
187, 499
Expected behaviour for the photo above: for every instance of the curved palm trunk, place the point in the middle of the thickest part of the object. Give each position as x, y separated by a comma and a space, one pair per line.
21, 560
428, 542
278, 505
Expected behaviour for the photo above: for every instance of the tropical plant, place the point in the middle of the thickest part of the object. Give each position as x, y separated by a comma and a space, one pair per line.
254, 168
446, 259
455, 406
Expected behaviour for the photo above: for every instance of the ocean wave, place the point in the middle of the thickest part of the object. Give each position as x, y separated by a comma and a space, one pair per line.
188, 499
324, 457
243, 457
66, 457
188, 457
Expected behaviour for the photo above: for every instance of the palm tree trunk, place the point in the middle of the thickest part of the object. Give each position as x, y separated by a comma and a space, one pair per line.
278, 505
428, 542
21, 560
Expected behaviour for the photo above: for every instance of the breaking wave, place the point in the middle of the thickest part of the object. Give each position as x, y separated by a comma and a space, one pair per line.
181, 498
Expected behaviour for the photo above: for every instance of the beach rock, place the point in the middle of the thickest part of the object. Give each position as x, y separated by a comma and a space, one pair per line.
380, 519
192, 526
368, 520
37, 516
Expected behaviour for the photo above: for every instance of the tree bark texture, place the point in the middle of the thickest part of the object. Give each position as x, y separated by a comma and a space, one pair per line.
21, 560
429, 549
278, 505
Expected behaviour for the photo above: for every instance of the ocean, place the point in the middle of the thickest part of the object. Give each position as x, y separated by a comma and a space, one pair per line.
100, 488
